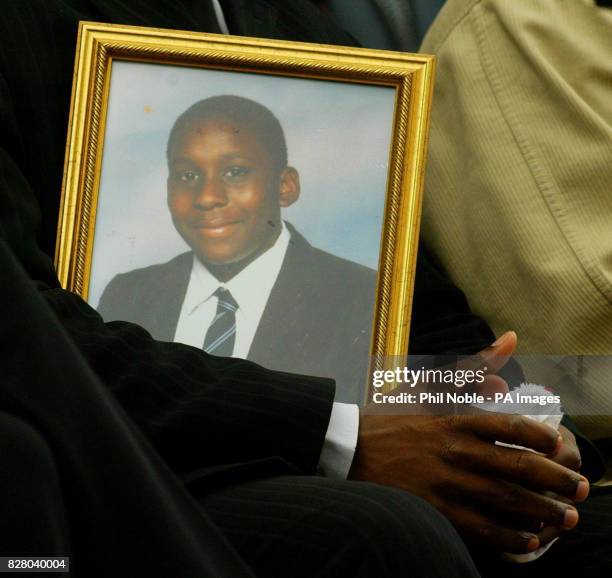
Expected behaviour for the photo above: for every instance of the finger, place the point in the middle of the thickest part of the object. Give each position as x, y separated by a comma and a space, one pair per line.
505, 344
568, 457
491, 385
514, 429
529, 526
494, 357
548, 533
559, 498
569, 454
524, 467
512, 502
477, 528
542, 474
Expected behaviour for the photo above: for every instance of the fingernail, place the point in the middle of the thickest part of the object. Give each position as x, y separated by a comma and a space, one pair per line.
499, 340
582, 490
570, 519
533, 544
558, 446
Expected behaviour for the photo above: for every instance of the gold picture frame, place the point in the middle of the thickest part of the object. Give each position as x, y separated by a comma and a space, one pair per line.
410, 76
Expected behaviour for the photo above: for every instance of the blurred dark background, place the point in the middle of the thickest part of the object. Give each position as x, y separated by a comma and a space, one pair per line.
386, 24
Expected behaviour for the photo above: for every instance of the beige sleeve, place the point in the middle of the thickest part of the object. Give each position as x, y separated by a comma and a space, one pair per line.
518, 201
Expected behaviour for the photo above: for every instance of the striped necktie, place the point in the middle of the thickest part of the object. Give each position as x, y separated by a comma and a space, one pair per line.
221, 334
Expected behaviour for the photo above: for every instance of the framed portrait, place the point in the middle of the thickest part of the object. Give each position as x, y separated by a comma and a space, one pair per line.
254, 198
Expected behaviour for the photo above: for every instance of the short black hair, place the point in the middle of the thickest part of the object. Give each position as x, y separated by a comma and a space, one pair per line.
241, 111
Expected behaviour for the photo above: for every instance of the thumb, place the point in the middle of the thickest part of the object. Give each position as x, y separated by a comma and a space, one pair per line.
498, 353
494, 357
504, 345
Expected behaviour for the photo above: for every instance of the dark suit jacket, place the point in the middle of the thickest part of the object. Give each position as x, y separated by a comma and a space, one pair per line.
197, 411
157, 383
317, 321
35, 84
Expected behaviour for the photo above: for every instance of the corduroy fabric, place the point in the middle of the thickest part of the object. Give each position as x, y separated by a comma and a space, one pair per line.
518, 202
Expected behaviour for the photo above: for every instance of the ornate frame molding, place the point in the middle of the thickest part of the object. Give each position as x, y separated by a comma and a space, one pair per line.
411, 75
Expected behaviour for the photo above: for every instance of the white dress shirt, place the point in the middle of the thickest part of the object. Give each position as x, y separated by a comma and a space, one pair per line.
250, 289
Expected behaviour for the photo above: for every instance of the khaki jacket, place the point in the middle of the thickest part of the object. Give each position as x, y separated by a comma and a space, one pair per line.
518, 202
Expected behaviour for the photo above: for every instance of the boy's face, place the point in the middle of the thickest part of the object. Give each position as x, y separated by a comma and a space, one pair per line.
223, 191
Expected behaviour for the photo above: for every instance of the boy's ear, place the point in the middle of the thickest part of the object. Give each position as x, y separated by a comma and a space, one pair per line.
289, 187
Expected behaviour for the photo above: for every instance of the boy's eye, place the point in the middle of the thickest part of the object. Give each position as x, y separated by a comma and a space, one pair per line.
236, 172
187, 176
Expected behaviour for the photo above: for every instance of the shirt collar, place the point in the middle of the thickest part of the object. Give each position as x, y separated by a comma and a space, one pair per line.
250, 288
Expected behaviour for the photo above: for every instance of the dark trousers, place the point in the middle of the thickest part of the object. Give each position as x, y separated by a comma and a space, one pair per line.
585, 551
79, 479
244, 515
281, 527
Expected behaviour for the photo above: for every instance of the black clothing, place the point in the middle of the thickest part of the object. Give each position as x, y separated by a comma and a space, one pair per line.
315, 294
80, 480
108, 420
211, 422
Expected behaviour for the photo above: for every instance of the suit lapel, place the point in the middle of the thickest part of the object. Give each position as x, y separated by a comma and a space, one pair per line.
278, 335
171, 292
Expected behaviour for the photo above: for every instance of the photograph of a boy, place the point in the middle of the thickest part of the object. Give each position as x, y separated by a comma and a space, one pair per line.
251, 285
